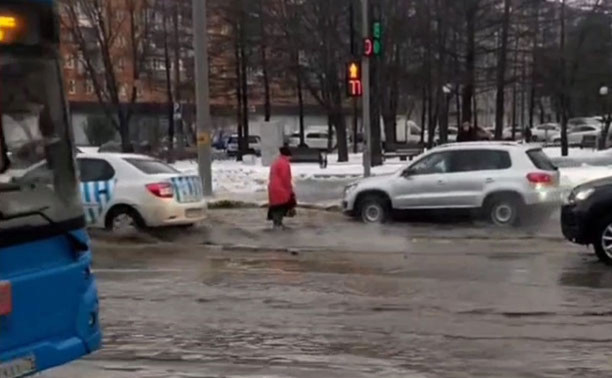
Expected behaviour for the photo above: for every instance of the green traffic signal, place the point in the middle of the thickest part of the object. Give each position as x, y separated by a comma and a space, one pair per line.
377, 48
377, 30
377, 36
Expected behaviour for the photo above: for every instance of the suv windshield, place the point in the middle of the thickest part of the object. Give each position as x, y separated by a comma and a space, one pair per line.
152, 167
35, 137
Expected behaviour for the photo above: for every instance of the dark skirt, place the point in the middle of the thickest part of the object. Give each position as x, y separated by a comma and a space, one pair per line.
283, 209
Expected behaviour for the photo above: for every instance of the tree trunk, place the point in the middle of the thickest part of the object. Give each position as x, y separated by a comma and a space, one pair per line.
603, 140
124, 131
300, 95
501, 74
169, 95
532, 90
264, 62
238, 94
563, 94
180, 132
424, 110
375, 115
245, 147
470, 66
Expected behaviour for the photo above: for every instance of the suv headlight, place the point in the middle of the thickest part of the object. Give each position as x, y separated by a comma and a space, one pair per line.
349, 189
579, 195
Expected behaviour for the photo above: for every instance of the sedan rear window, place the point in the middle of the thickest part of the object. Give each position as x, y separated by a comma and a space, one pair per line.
151, 167
540, 160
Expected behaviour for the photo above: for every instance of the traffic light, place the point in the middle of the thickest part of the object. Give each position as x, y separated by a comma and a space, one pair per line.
377, 38
354, 86
368, 47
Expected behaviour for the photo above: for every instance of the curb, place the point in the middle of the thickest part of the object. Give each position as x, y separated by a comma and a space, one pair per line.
256, 248
226, 204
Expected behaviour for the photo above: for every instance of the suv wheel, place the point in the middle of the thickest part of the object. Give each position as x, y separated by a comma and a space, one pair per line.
503, 211
603, 241
374, 209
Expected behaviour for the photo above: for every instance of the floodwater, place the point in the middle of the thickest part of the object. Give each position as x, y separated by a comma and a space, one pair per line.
435, 306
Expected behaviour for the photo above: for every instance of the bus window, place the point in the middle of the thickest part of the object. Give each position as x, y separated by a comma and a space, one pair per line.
35, 137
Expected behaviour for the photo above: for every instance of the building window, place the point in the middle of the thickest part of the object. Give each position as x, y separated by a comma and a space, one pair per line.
70, 61
89, 87
72, 87
121, 64
120, 15
123, 91
122, 42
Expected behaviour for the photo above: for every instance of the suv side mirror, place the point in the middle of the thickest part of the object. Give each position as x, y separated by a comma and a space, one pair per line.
408, 172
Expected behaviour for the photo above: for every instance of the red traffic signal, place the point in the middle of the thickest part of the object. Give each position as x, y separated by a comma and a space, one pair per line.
368, 47
354, 86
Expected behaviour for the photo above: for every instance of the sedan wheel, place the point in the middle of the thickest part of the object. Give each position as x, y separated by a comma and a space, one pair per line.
123, 222
603, 246
123, 219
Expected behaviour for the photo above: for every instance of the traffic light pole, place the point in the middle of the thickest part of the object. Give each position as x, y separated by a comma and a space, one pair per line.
203, 119
365, 77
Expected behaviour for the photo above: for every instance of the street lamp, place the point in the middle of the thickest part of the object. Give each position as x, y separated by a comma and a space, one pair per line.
604, 91
447, 89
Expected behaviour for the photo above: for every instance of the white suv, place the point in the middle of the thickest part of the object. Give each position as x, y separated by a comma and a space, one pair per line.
501, 178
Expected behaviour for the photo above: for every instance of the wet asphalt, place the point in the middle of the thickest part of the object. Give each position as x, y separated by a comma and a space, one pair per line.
236, 300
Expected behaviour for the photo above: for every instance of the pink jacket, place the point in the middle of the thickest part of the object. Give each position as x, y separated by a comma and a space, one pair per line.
280, 188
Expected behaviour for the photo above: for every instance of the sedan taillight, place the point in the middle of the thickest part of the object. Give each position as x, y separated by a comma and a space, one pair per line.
161, 190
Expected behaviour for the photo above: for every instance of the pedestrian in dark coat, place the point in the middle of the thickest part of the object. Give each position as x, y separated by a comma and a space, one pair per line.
466, 133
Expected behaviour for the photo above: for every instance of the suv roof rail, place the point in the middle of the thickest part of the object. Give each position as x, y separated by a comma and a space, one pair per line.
482, 143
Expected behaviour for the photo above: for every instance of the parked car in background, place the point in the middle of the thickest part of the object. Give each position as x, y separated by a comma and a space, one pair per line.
576, 134
499, 178
545, 132
582, 121
587, 217
316, 137
120, 191
220, 141
254, 145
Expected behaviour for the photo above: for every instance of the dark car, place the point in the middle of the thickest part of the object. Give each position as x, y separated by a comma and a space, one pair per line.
586, 218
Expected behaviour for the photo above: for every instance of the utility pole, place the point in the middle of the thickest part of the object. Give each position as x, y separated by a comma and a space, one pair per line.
203, 120
365, 75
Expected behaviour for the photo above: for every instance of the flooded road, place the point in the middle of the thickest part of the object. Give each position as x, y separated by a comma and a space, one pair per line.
436, 307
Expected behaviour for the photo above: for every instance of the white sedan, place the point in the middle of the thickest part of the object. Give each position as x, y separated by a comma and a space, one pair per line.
126, 190
576, 134
545, 132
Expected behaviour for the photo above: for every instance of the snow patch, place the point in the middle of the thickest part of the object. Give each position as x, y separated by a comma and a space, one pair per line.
231, 176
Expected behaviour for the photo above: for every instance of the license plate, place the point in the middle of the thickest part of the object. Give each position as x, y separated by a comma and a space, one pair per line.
190, 213
18, 368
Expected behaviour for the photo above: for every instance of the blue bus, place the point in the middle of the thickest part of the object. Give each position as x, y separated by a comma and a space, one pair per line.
48, 295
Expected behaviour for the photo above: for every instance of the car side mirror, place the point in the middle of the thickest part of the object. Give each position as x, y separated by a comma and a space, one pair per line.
4, 158
409, 172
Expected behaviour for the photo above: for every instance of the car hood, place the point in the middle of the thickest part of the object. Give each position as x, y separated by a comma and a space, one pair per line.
374, 181
602, 182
